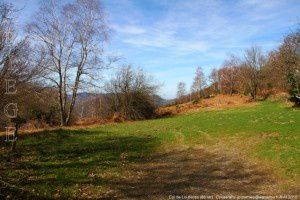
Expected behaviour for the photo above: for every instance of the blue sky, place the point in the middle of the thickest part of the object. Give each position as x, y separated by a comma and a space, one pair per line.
170, 38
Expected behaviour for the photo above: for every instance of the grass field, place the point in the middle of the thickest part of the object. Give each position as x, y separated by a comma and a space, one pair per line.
210, 151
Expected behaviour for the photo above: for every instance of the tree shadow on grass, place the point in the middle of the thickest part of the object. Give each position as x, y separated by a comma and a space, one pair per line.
192, 172
52, 161
103, 165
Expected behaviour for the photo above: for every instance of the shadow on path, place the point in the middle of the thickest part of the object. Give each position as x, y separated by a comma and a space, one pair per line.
191, 172
85, 162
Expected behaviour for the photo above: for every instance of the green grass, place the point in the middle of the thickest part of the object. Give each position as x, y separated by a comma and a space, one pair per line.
64, 160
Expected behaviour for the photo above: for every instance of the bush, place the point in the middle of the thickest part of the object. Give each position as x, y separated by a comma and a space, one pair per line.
196, 101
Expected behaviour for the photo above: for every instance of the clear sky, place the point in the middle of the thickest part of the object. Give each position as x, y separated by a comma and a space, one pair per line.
170, 38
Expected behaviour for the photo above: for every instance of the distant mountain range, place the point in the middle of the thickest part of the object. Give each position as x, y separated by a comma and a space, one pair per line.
82, 96
159, 101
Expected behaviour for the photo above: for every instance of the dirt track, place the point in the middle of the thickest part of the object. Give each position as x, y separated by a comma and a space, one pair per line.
193, 172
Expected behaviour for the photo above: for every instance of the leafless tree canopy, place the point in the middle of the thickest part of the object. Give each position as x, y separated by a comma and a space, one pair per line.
229, 74
70, 37
287, 61
16, 58
199, 82
132, 93
254, 62
181, 90
257, 74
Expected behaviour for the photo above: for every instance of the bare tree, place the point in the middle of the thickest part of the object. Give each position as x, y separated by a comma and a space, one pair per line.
199, 82
181, 90
70, 37
215, 80
16, 58
288, 62
274, 78
229, 74
17, 66
132, 93
254, 61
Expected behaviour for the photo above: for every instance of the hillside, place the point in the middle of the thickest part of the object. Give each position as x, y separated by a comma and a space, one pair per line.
216, 102
207, 152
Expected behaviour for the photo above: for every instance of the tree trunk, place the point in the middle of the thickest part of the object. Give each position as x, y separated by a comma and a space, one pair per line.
74, 94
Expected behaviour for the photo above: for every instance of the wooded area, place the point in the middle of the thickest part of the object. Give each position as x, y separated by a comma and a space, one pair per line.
256, 74
61, 55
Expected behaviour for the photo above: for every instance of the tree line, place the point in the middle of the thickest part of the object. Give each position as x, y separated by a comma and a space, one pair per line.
59, 55
254, 73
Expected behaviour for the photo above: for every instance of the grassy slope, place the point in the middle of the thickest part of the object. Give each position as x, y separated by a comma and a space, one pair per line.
62, 161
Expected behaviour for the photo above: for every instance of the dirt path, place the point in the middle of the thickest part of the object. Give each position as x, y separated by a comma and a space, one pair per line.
193, 172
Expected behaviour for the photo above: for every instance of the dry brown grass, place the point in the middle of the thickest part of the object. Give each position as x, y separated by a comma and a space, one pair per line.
34, 126
216, 102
